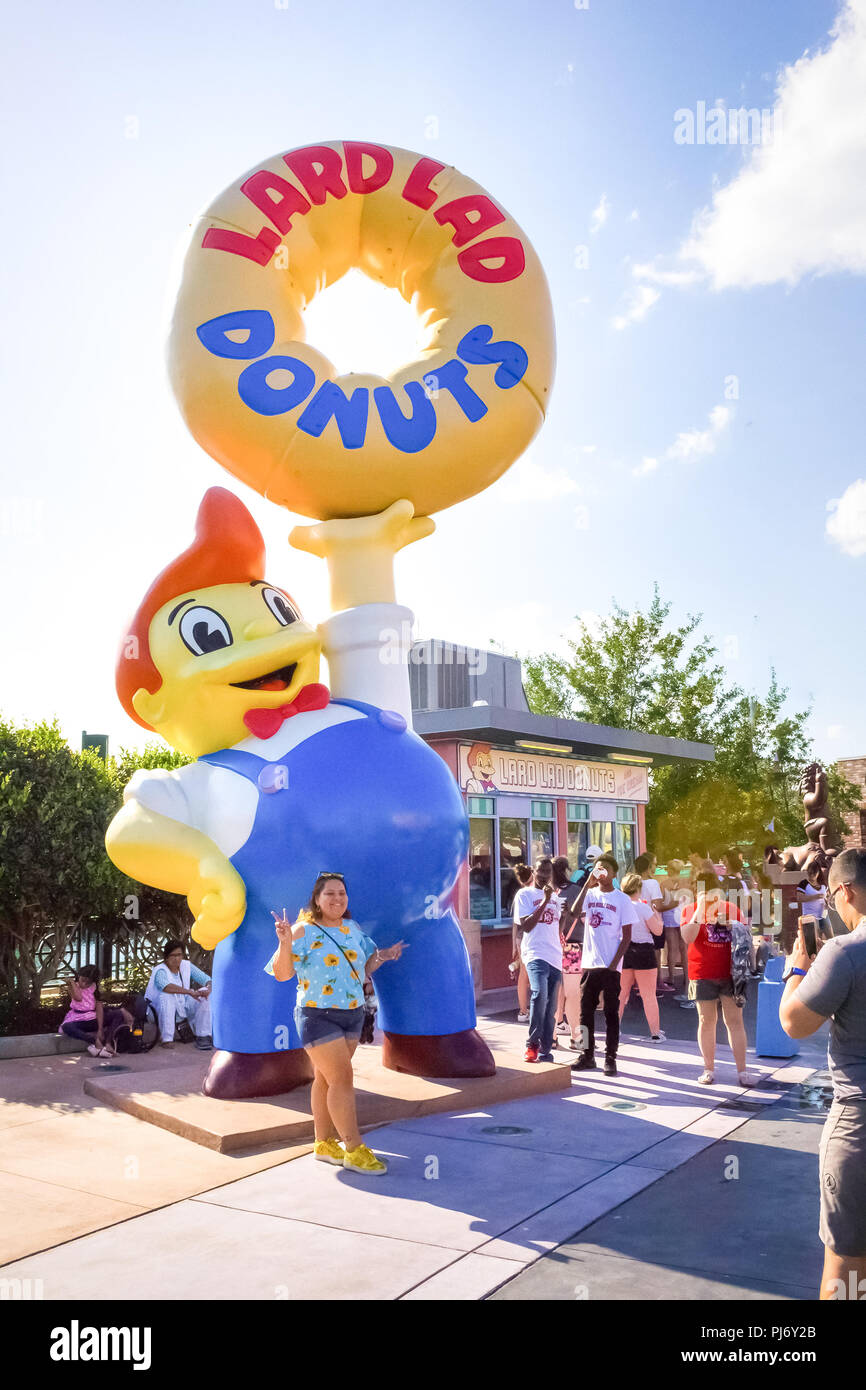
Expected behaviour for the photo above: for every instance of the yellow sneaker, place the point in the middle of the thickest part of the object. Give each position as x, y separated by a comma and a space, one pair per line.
363, 1160
329, 1151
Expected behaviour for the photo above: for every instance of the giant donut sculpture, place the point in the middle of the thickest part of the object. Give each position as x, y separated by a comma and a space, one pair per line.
270, 408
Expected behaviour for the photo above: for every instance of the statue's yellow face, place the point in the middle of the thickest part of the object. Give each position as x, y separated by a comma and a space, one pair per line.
221, 652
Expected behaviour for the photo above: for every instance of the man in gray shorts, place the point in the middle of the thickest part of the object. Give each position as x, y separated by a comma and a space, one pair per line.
833, 985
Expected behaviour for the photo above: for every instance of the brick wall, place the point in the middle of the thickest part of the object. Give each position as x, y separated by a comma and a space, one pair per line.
855, 770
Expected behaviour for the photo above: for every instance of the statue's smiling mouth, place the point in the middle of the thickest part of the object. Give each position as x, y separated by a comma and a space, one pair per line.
272, 680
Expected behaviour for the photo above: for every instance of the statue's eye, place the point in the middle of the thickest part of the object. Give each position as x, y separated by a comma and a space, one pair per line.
204, 630
280, 607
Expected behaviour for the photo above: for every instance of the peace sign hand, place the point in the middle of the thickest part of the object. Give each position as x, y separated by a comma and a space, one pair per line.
394, 952
284, 926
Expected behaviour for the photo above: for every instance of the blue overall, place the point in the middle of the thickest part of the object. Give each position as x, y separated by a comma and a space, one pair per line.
368, 799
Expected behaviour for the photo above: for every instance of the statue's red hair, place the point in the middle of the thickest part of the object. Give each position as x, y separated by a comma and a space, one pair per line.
228, 549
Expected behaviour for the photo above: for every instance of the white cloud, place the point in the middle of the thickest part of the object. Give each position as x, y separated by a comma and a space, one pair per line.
642, 300
646, 465
798, 206
600, 214
649, 271
846, 524
690, 444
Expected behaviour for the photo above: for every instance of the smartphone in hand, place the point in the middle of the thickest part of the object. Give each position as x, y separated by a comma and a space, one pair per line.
809, 927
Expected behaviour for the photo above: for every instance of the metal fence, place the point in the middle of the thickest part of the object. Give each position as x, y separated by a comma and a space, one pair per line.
114, 959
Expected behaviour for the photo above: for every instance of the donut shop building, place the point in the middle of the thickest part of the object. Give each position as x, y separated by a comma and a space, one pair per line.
533, 784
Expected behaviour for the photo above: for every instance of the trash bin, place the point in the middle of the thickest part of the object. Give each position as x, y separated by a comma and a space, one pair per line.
771, 1040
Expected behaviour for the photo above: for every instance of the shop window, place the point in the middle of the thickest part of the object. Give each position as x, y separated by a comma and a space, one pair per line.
577, 810
578, 843
542, 839
543, 810
481, 805
625, 815
601, 834
513, 850
625, 847
482, 901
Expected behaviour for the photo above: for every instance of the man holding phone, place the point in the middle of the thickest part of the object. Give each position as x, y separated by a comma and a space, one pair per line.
608, 919
536, 916
827, 979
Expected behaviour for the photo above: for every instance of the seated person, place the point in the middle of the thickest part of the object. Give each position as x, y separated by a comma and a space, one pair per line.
178, 990
88, 1019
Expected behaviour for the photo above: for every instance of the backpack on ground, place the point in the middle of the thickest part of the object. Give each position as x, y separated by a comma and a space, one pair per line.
142, 1033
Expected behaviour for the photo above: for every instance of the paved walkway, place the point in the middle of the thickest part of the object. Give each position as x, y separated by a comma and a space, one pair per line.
470, 1203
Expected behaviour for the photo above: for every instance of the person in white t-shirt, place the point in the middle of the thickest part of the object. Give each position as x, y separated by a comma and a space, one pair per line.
639, 964
653, 894
536, 915
608, 920
812, 897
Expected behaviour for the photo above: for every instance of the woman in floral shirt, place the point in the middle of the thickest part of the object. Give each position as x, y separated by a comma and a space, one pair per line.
329, 954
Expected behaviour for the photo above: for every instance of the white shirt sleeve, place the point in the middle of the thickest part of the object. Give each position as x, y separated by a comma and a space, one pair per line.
214, 800
629, 911
367, 650
652, 889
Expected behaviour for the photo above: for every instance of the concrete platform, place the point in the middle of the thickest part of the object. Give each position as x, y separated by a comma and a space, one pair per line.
173, 1100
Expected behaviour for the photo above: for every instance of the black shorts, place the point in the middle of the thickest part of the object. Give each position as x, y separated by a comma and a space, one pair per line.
640, 955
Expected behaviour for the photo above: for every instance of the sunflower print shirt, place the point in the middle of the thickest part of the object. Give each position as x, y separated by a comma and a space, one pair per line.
328, 977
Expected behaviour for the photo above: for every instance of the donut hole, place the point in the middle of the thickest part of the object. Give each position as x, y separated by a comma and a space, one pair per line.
362, 327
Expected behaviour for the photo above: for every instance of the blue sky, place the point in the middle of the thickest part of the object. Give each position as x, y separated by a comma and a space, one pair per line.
709, 401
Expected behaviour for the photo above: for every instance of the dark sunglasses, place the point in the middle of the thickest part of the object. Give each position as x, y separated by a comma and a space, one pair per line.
324, 874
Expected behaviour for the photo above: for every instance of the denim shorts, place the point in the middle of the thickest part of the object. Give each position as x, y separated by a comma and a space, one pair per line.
706, 990
317, 1026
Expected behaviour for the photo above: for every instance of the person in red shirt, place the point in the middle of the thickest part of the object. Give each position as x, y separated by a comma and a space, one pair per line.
707, 932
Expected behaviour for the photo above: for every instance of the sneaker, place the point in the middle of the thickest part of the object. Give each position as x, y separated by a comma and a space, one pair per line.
106, 1052
531, 1054
747, 1078
584, 1063
93, 1049
658, 1037
546, 1057
575, 1045
329, 1151
706, 1078
563, 1027
523, 1018
609, 1066
204, 1044
665, 989
363, 1160
689, 1004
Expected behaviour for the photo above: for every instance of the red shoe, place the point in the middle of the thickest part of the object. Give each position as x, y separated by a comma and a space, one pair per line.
531, 1054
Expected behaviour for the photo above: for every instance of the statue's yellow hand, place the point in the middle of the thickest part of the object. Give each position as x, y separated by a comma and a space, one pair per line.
218, 902
389, 530
360, 551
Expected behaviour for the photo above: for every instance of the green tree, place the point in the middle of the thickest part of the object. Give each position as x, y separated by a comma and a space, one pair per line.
55, 876
54, 872
640, 672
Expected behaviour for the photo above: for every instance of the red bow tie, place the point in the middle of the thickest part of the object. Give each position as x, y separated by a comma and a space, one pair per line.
264, 723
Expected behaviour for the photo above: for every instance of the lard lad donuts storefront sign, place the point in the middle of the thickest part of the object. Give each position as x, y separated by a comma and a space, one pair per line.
485, 770
271, 408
